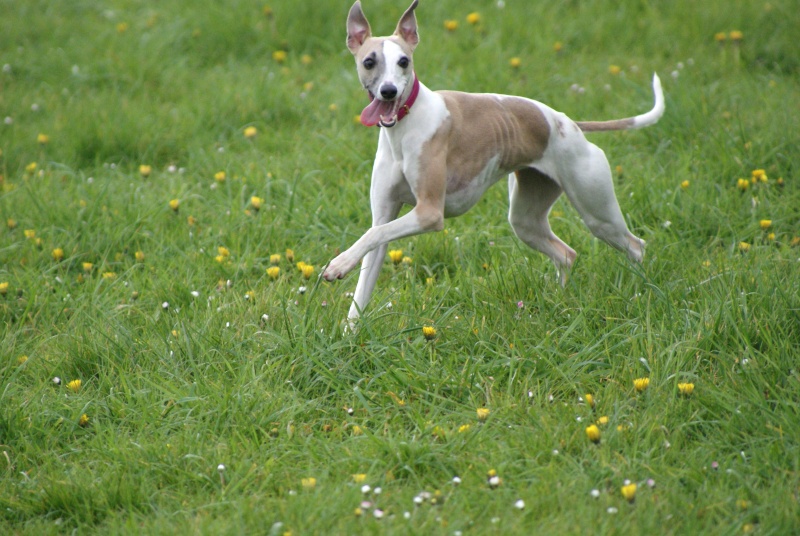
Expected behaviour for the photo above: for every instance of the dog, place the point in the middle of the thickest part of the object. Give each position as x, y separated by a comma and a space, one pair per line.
439, 151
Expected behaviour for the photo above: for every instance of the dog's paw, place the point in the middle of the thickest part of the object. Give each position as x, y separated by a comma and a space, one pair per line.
337, 269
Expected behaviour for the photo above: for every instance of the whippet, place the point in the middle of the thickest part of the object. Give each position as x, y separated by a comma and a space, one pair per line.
439, 151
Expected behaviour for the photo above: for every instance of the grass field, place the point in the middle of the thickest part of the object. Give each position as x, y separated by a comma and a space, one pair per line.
155, 378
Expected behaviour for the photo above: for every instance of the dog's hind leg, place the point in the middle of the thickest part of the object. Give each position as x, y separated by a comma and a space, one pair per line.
589, 186
531, 195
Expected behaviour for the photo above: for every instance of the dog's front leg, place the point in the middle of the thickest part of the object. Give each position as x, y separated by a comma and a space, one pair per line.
422, 219
426, 216
384, 210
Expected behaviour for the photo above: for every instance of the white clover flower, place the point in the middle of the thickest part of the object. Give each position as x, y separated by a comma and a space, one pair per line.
165, 305
519, 505
221, 467
595, 493
456, 480
365, 489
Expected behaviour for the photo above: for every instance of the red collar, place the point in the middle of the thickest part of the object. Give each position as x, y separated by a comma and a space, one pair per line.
412, 98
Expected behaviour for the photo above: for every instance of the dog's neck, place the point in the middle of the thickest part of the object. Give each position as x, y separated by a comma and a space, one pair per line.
409, 102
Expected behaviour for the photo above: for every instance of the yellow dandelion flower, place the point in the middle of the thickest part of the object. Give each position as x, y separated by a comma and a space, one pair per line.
482, 414
742, 504
429, 281
357, 430
359, 478
629, 492
21, 360
191, 221
685, 185
139, 256
3, 288
31, 168
407, 260
720, 37
474, 18
515, 62
686, 389
225, 252
308, 271
333, 107
58, 254
273, 272
589, 400
558, 46
759, 175
795, 241
765, 224
74, 386
220, 176
614, 69
603, 420
109, 275
275, 258
736, 36
300, 265
396, 255
744, 247
43, 139
279, 56
742, 184
145, 170
174, 204
779, 181
464, 428
30, 234
122, 27
305, 59
429, 332
593, 433
256, 202
290, 255
771, 237
640, 384
87, 266
11, 223
451, 25
309, 483
83, 421
250, 132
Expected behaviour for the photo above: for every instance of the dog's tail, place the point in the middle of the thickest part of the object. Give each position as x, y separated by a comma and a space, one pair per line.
640, 121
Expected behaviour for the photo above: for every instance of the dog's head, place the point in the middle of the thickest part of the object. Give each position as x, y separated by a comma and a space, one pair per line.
385, 64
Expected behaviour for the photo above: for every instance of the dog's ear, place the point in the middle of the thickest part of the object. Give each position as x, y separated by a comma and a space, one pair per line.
358, 29
407, 27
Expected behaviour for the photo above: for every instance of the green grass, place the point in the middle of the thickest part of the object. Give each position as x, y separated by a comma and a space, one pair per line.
252, 374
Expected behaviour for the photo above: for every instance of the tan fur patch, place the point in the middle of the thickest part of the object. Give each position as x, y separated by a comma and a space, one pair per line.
483, 127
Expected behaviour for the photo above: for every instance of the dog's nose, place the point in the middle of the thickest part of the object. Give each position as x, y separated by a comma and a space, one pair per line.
388, 92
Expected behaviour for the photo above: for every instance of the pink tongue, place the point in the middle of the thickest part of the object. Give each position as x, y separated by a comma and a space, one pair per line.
371, 115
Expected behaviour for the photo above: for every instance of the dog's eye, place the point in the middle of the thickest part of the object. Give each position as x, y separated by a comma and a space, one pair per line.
368, 63
403, 63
